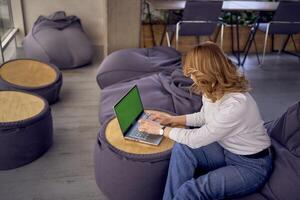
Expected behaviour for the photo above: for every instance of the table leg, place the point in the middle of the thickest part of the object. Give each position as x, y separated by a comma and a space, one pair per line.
251, 38
285, 44
272, 44
248, 39
231, 33
238, 39
163, 35
235, 53
256, 50
215, 38
151, 24
165, 29
294, 43
282, 48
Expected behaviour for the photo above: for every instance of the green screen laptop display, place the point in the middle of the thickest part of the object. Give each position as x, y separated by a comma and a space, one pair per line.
128, 109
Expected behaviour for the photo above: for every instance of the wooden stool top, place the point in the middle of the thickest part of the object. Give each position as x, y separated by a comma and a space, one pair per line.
28, 73
16, 106
115, 137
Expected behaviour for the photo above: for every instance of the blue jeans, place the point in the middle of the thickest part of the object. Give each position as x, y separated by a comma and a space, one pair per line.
228, 175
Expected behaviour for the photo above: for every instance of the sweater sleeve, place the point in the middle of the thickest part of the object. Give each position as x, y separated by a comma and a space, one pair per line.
195, 119
228, 118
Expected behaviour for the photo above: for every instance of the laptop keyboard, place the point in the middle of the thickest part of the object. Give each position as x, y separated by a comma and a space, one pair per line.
136, 133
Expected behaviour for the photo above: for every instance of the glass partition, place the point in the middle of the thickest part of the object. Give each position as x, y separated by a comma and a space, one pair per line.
5, 18
6, 27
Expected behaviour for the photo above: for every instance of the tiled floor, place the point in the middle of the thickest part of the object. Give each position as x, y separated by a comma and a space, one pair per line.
276, 85
65, 172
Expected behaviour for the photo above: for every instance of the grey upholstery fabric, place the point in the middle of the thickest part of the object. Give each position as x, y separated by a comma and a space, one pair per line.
24, 141
162, 86
200, 11
255, 196
128, 64
143, 177
140, 176
284, 182
287, 11
59, 39
285, 132
280, 29
208, 11
158, 91
126, 176
49, 92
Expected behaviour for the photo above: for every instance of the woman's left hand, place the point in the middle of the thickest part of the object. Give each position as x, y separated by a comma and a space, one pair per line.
149, 126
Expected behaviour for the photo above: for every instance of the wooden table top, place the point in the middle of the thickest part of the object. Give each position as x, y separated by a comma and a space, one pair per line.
28, 73
17, 106
227, 5
115, 137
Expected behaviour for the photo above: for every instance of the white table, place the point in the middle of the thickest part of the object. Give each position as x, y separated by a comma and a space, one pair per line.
233, 6
227, 5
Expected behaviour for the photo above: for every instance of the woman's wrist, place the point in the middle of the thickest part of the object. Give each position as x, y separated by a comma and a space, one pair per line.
178, 120
167, 131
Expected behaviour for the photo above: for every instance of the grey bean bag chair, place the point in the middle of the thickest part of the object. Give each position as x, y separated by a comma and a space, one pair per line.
162, 86
59, 39
124, 176
284, 182
127, 176
32, 76
158, 91
128, 64
25, 128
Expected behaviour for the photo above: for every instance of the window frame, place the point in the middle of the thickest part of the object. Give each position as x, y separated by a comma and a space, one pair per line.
9, 35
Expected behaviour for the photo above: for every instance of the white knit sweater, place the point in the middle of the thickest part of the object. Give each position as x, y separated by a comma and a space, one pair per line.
233, 121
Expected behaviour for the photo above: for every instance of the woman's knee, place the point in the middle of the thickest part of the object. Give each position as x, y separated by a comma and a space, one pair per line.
180, 151
179, 148
183, 152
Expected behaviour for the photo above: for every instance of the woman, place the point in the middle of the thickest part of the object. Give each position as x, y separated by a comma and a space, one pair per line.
231, 146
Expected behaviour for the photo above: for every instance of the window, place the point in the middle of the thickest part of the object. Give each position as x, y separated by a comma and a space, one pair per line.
5, 18
7, 31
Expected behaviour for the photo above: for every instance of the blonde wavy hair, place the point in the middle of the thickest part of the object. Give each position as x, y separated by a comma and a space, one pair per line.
212, 72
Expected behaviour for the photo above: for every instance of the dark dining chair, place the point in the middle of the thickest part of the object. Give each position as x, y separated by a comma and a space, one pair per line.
286, 21
200, 18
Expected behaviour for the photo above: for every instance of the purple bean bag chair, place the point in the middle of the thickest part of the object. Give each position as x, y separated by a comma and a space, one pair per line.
59, 39
158, 91
31, 76
128, 64
162, 86
126, 176
284, 182
23, 141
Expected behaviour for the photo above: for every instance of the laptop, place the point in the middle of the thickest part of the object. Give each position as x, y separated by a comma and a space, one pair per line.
129, 110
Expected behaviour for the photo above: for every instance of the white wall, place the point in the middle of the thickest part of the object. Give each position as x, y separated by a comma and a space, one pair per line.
123, 24
113, 24
93, 15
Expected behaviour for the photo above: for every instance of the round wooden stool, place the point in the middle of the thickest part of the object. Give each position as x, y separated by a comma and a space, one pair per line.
25, 128
18, 106
33, 76
128, 169
115, 137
